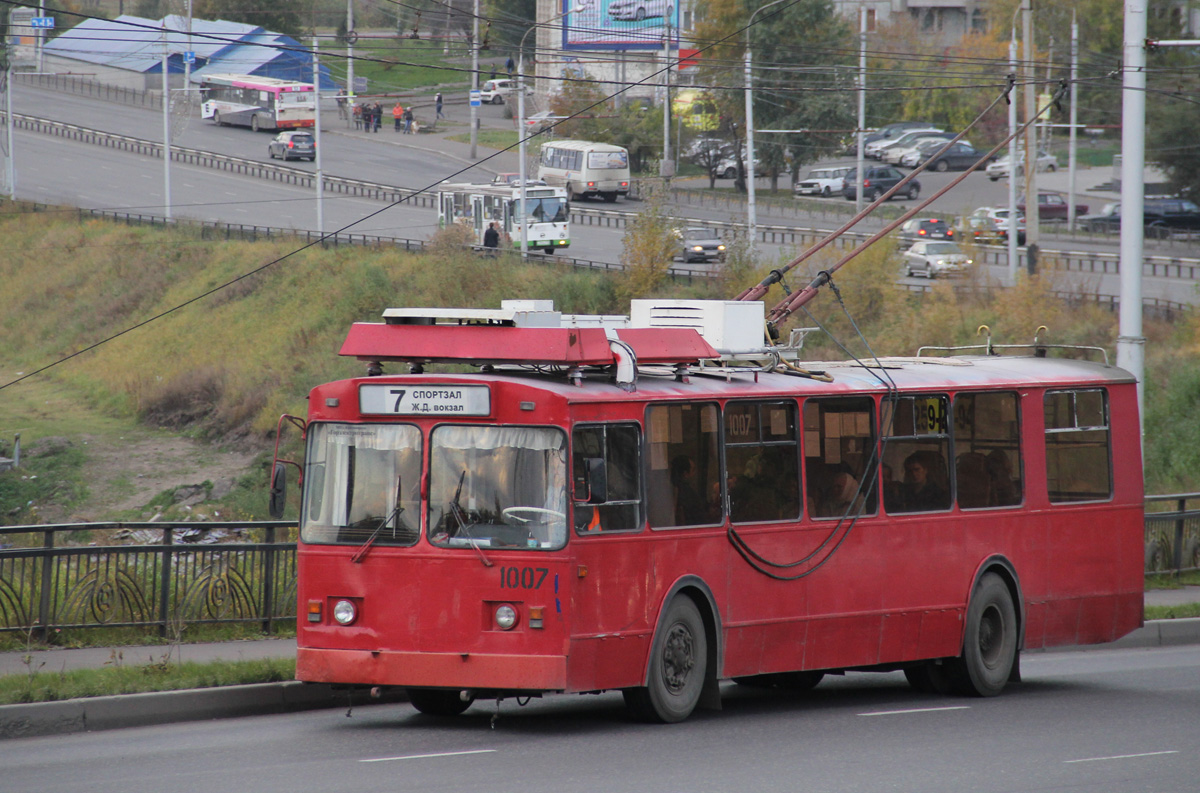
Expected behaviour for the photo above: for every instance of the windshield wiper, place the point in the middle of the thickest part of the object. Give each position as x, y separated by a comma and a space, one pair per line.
463, 528
365, 548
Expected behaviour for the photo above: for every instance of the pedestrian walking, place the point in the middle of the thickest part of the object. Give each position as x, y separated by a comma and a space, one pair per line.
408, 120
437, 103
397, 115
378, 116
510, 65
491, 237
341, 104
493, 75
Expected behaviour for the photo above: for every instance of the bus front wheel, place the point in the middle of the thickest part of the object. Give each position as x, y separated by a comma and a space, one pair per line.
678, 666
438, 702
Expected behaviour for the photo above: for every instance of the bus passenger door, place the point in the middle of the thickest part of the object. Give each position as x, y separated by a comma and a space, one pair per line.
478, 216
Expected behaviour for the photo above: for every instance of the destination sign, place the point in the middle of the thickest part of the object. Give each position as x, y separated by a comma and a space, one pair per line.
409, 399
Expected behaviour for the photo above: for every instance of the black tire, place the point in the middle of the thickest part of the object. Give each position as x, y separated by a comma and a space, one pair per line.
678, 666
570, 194
941, 166
730, 173
497, 100
1052, 168
990, 644
825, 192
994, 178
549, 249
640, 14
913, 192
784, 681
270, 153
610, 198
254, 123
873, 195
438, 702
930, 678
217, 118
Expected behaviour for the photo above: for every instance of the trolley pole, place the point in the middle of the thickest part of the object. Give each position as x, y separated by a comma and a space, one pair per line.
166, 116
319, 179
475, 81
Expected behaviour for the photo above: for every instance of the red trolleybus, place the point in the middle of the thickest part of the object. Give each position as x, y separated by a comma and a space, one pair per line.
629, 503
258, 102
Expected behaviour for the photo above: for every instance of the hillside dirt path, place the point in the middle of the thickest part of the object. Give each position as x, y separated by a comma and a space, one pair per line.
126, 472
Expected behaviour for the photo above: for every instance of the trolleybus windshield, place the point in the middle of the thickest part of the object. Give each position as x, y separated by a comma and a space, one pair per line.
354, 475
498, 487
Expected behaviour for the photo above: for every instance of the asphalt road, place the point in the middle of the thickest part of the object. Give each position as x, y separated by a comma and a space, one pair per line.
1106, 721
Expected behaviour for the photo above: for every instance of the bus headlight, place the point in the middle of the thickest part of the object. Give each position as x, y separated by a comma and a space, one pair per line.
506, 617
344, 612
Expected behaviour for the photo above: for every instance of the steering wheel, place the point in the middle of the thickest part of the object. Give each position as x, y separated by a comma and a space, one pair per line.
530, 514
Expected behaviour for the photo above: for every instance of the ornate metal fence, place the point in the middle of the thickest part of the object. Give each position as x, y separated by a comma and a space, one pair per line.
146, 574
1173, 532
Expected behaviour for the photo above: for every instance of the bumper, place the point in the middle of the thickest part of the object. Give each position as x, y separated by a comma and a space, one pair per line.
445, 670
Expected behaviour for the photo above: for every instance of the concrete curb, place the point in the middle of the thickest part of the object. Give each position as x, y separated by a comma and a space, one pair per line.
165, 707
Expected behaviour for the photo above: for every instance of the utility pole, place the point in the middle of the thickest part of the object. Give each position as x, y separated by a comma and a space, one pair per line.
1072, 139
350, 37
1013, 233
862, 104
666, 167
319, 179
475, 80
166, 115
1031, 203
1131, 344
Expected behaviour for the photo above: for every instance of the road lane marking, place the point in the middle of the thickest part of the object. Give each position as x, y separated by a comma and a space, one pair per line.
914, 710
1122, 756
424, 756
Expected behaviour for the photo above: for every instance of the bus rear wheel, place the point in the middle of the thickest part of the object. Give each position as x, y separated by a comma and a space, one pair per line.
678, 666
610, 197
438, 702
254, 122
990, 646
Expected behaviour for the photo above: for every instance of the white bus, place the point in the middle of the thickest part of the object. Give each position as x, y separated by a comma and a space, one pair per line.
585, 168
258, 102
477, 205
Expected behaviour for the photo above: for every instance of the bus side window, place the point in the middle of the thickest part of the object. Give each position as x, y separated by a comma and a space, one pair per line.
1078, 448
987, 450
612, 502
762, 461
916, 477
839, 457
683, 469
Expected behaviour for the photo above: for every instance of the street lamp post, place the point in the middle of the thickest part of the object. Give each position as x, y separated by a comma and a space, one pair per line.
521, 126
751, 218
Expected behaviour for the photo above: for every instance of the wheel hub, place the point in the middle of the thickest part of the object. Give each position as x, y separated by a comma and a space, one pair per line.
678, 658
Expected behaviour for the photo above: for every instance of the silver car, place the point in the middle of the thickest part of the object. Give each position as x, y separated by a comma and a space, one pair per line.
934, 258
293, 145
700, 244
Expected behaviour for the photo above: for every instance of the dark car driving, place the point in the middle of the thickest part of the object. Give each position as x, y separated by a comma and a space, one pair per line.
293, 145
1161, 216
877, 181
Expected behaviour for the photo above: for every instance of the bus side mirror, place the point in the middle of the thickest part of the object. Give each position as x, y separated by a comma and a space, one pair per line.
591, 486
278, 495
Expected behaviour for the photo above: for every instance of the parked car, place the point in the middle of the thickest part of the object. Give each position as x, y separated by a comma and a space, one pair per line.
875, 148
727, 168
700, 150
931, 259
822, 181
918, 229
892, 154
958, 157
293, 145
1053, 206
877, 181
999, 167
700, 244
998, 218
1161, 217
496, 91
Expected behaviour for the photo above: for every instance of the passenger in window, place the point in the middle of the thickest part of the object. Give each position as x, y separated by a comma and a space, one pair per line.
922, 492
974, 482
689, 503
1004, 490
893, 491
844, 497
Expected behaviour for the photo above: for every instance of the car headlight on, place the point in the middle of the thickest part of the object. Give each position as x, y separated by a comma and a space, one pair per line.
506, 617
345, 612
720, 247
697, 247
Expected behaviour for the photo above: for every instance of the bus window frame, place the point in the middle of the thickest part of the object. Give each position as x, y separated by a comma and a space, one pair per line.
797, 433
648, 460
640, 502
1019, 475
872, 455
888, 410
1047, 431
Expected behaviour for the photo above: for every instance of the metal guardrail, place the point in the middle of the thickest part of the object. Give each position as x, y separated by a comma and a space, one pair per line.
91, 575
169, 576
86, 86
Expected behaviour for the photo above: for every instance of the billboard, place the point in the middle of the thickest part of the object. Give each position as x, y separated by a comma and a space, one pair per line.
621, 25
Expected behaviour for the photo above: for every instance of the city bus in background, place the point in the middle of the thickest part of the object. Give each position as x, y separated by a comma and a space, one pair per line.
662, 502
585, 169
477, 205
261, 103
